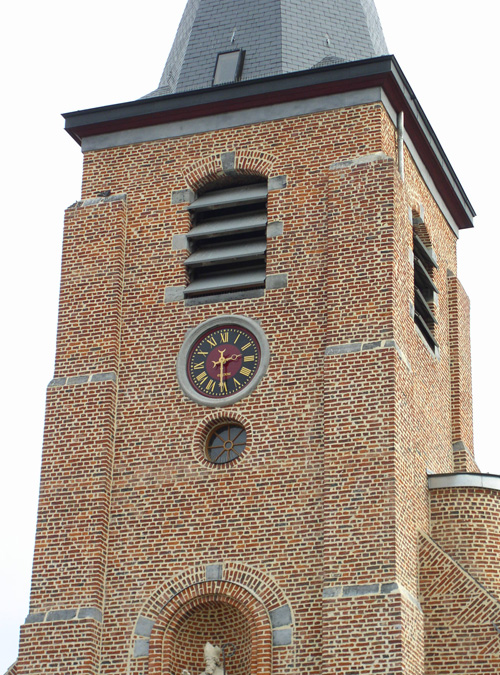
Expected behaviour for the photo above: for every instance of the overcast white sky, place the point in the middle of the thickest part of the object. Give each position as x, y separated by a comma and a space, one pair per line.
62, 56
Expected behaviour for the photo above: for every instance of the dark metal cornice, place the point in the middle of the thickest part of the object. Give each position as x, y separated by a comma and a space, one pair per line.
383, 71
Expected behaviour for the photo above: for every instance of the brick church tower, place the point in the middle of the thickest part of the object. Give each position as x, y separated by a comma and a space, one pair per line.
259, 431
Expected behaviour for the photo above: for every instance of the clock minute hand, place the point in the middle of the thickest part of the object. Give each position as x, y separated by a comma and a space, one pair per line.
221, 362
221, 376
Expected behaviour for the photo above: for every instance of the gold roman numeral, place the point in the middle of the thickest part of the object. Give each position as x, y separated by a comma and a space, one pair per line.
249, 358
248, 344
236, 338
236, 382
202, 377
224, 336
245, 371
211, 341
198, 366
210, 386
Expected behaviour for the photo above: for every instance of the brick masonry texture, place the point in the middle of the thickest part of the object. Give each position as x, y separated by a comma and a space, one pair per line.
460, 617
466, 524
91, 288
71, 647
460, 370
332, 488
70, 561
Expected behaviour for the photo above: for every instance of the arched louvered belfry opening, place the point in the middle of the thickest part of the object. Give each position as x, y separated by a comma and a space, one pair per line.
228, 237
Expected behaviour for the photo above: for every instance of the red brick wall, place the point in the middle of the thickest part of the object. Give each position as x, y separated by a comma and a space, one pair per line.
385, 635
460, 617
91, 288
461, 377
69, 564
59, 647
466, 524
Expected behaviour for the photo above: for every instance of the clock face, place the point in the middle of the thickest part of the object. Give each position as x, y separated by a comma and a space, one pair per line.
223, 361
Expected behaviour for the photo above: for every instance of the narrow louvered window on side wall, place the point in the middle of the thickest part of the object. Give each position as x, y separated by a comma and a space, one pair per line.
424, 263
227, 241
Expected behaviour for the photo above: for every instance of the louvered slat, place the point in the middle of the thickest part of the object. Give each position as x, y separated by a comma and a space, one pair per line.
422, 277
423, 308
422, 252
230, 225
425, 330
232, 197
226, 282
216, 255
228, 240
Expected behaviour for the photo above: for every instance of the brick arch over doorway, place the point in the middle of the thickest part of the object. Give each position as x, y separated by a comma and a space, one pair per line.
228, 602
217, 612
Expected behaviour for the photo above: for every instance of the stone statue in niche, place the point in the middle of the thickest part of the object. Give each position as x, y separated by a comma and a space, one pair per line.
213, 664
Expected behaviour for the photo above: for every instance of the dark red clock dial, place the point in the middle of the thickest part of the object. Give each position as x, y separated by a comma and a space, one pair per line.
223, 361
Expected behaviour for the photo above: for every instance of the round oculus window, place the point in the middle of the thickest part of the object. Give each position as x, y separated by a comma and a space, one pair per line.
225, 443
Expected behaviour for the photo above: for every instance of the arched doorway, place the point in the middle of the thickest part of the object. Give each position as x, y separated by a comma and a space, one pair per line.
214, 619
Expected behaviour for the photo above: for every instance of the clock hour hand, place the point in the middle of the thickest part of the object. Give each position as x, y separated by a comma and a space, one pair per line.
221, 360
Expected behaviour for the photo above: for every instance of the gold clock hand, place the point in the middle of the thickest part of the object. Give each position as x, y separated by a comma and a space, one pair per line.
221, 360
221, 376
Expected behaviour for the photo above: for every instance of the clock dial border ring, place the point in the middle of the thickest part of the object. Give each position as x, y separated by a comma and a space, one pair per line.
215, 360
193, 337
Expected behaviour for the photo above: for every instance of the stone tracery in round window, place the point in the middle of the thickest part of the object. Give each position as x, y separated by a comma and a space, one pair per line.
225, 442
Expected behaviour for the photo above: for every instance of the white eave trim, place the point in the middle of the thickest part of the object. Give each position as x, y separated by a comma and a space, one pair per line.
457, 480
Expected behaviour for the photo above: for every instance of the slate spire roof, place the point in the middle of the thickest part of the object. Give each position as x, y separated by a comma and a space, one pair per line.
277, 36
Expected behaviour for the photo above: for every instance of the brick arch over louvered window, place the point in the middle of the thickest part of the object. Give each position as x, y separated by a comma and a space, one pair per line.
218, 168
